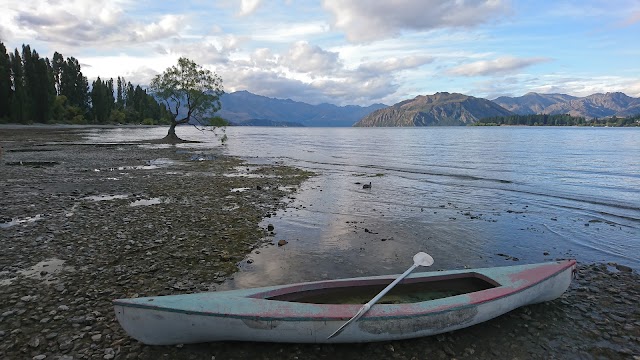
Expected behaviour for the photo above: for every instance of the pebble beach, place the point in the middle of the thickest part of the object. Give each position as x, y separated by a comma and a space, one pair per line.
82, 224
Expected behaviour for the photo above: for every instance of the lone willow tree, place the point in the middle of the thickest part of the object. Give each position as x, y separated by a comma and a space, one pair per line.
190, 92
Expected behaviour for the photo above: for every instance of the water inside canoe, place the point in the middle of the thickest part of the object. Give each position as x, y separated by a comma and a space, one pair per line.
410, 292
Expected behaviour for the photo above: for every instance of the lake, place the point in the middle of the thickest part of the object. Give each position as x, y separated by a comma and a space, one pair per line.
469, 196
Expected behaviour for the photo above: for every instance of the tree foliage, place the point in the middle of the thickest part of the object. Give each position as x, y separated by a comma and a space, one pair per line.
556, 120
35, 89
6, 84
190, 92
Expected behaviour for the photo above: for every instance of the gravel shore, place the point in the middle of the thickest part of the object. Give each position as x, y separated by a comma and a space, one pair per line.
81, 225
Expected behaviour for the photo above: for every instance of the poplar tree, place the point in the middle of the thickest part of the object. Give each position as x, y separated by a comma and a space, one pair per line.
18, 100
6, 84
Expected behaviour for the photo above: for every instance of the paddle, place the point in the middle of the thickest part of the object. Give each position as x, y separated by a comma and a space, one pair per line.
419, 259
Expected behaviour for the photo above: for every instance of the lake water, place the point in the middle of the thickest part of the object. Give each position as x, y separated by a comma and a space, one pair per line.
469, 196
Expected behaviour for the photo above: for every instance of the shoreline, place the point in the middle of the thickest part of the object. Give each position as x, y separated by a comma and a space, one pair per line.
187, 233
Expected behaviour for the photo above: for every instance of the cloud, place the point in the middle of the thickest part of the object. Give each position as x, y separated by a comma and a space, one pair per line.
306, 72
397, 64
498, 66
519, 85
340, 91
99, 23
287, 32
306, 58
214, 50
167, 26
248, 6
364, 21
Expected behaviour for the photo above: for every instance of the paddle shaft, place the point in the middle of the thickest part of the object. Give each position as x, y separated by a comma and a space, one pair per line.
369, 304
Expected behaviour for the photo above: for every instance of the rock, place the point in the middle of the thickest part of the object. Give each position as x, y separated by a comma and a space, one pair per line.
282, 242
39, 357
63, 308
449, 351
96, 338
617, 319
623, 268
270, 227
34, 342
64, 344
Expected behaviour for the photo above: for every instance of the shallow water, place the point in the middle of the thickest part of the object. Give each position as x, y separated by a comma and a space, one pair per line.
471, 197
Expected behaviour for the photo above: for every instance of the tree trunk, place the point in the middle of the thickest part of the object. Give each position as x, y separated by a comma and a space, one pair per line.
172, 130
171, 135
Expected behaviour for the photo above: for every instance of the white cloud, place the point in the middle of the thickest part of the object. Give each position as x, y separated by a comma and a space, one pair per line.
397, 64
79, 23
582, 85
286, 33
167, 26
378, 19
248, 6
500, 65
263, 58
137, 69
306, 58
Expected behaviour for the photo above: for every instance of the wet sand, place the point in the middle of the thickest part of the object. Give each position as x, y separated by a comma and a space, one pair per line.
85, 224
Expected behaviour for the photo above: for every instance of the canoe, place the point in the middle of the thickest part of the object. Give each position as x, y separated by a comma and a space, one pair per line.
422, 304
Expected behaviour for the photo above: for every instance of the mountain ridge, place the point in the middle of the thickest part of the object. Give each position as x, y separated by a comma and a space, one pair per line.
592, 106
244, 108
439, 109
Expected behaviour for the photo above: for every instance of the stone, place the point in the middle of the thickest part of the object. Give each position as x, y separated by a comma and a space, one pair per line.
65, 344
623, 268
34, 342
39, 357
282, 242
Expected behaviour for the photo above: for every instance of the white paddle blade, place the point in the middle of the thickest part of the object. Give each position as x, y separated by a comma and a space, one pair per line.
422, 259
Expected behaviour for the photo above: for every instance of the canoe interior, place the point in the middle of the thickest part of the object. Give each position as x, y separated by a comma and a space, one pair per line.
408, 291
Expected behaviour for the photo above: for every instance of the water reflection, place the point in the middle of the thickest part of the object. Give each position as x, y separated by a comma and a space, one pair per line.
471, 197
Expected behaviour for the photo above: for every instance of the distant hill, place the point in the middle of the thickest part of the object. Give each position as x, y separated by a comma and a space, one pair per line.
593, 106
439, 109
531, 103
266, 122
245, 108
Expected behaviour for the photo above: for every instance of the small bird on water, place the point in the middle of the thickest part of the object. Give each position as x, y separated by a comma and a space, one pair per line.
367, 186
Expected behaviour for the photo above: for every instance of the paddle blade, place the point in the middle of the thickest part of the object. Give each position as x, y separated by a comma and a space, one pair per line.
422, 259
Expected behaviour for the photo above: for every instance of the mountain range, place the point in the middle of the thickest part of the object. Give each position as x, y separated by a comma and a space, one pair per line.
245, 108
593, 106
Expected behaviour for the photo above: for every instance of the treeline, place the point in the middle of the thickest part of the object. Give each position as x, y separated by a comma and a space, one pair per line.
556, 120
38, 90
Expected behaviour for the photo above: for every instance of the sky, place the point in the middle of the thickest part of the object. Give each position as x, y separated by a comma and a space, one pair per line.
344, 52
